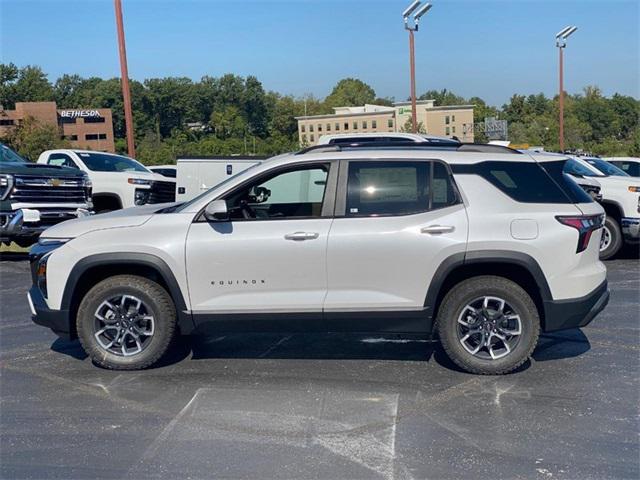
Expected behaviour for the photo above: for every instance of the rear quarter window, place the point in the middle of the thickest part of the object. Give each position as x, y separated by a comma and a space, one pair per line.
528, 182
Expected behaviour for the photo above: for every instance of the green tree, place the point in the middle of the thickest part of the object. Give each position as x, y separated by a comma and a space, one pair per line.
350, 92
30, 138
228, 123
408, 127
442, 97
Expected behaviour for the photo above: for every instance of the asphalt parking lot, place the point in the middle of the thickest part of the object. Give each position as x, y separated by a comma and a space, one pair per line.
321, 407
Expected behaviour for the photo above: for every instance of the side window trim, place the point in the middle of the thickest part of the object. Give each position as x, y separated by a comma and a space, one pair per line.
343, 180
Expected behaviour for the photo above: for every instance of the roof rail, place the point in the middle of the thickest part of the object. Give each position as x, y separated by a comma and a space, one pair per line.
403, 145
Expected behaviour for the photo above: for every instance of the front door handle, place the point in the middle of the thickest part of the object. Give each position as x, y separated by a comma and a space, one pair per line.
300, 236
437, 229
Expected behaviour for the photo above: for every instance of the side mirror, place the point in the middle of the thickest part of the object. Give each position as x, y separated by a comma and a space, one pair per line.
217, 211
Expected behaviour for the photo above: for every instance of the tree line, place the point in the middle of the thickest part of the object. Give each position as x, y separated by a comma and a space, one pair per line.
235, 115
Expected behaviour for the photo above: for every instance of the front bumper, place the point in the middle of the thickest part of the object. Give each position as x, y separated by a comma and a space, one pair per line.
575, 312
630, 229
31, 222
41, 314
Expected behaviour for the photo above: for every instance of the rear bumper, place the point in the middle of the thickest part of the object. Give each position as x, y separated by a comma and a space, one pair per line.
41, 314
575, 312
630, 229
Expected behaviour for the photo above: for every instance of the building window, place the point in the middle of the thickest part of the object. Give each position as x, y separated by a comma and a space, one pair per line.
453, 119
447, 120
313, 138
67, 119
102, 136
71, 137
453, 129
91, 136
364, 124
447, 131
319, 127
337, 127
346, 125
355, 125
374, 124
328, 127
93, 119
6, 122
390, 123
304, 138
311, 128
302, 128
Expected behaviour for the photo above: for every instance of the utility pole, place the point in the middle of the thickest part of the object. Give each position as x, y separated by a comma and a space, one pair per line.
413, 27
561, 43
124, 73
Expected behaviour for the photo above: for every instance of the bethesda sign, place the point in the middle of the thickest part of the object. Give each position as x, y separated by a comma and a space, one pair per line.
80, 113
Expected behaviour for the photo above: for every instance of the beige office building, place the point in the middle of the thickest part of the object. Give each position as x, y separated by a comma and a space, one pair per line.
445, 121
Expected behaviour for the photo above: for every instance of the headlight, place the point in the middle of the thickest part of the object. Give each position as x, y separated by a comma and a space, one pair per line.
6, 185
139, 181
634, 189
141, 197
86, 182
39, 257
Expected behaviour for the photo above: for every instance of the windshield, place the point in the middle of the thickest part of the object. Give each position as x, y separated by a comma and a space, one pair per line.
606, 167
186, 205
573, 167
103, 162
8, 155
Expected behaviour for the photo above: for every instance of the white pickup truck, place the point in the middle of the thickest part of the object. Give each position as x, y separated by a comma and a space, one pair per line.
118, 181
620, 199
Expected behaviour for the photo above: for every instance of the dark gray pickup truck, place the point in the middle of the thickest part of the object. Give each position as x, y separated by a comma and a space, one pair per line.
34, 197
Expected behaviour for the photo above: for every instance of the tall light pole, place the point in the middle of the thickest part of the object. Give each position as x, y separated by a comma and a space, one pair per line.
124, 72
561, 43
413, 27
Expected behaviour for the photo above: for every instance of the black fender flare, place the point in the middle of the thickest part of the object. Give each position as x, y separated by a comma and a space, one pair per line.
154, 262
485, 256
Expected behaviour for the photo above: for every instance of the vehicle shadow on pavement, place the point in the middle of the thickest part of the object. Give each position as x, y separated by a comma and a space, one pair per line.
13, 256
564, 344
334, 346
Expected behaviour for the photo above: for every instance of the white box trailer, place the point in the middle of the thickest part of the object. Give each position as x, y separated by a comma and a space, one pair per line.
198, 174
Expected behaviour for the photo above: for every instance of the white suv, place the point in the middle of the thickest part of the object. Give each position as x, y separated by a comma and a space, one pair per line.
118, 181
487, 250
620, 199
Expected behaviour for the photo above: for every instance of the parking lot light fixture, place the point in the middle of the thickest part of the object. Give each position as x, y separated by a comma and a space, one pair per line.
561, 43
411, 27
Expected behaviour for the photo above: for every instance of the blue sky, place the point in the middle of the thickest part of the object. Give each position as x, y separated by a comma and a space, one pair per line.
491, 49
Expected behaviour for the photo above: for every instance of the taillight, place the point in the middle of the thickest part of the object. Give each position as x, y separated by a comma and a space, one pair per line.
585, 224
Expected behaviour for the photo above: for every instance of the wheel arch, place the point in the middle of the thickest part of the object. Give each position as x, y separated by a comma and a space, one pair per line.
613, 209
108, 197
518, 267
95, 268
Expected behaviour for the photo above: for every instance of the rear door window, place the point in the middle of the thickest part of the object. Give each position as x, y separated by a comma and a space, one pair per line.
380, 188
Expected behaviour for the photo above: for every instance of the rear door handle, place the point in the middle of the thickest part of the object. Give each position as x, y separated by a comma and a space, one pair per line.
300, 236
437, 229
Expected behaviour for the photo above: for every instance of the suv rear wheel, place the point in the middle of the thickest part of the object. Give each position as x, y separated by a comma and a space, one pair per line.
126, 322
488, 325
611, 240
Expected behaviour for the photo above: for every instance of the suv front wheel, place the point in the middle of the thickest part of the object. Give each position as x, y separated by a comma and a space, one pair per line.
126, 322
488, 325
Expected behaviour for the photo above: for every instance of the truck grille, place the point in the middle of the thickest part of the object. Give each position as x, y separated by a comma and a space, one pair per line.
162, 192
31, 189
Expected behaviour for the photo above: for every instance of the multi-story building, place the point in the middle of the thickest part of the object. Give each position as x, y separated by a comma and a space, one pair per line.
90, 129
446, 121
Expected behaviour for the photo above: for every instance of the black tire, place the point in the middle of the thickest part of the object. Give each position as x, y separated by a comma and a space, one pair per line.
155, 300
612, 230
465, 293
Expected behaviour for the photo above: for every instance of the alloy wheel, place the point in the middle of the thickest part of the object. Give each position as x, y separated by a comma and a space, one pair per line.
123, 325
489, 328
605, 240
